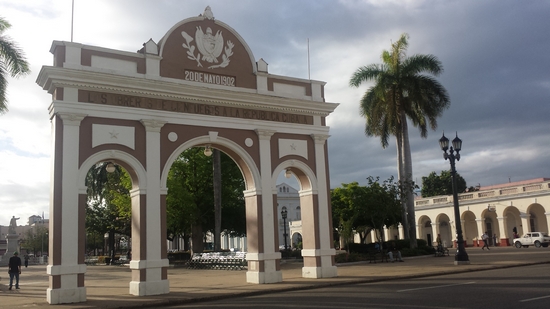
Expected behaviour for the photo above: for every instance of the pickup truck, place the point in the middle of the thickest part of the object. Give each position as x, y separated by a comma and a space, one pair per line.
537, 239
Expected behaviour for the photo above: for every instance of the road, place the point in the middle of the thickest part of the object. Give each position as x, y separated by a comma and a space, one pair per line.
518, 287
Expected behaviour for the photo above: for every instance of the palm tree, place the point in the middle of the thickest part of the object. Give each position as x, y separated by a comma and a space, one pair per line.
12, 61
404, 89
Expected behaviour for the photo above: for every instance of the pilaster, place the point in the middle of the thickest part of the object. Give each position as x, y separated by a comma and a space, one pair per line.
320, 262
66, 284
502, 237
525, 226
148, 265
480, 227
264, 263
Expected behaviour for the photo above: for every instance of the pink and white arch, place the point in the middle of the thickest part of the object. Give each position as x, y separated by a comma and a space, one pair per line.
200, 85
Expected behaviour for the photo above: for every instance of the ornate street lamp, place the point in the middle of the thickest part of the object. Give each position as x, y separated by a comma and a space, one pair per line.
110, 168
208, 150
461, 257
284, 213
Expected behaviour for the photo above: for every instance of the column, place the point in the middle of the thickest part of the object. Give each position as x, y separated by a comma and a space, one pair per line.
387, 235
525, 226
262, 230
435, 232
372, 236
504, 241
480, 230
65, 267
319, 262
149, 263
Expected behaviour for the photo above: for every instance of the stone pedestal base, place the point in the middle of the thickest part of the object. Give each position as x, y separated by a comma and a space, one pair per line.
320, 272
6, 259
149, 277
13, 240
66, 296
319, 263
149, 287
264, 277
264, 268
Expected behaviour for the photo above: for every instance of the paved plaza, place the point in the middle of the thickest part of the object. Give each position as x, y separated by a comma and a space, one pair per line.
108, 286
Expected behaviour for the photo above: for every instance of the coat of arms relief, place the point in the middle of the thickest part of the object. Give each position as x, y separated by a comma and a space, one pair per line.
209, 46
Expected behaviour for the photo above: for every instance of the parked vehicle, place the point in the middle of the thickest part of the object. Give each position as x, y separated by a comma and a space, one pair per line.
537, 239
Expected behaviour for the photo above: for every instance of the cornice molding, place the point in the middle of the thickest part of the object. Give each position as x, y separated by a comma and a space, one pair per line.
178, 90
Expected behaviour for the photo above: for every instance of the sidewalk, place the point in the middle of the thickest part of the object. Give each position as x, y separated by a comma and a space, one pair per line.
107, 286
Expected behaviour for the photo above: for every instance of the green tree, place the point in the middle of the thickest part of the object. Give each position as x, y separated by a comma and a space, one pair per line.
383, 204
36, 240
109, 205
433, 184
347, 201
12, 62
190, 200
403, 89
360, 209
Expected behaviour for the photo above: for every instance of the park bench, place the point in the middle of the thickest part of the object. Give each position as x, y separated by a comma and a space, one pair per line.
441, 251
377, 255
121, 261
218, 260
91, 260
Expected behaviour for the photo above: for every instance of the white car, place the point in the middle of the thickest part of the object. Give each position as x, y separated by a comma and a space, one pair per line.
537, 239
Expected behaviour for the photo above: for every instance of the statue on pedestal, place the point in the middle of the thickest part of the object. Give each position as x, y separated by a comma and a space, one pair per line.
13, 225
12, 240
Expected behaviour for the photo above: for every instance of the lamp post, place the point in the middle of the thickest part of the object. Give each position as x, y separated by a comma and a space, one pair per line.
284, 214
461, 257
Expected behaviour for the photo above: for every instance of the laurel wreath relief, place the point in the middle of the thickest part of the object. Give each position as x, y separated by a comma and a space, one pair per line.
228, 52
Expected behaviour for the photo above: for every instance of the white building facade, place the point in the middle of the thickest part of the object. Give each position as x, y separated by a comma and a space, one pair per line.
288, 198
497, 210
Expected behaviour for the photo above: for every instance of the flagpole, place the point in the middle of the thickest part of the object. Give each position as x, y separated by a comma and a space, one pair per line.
72, 20
308, 67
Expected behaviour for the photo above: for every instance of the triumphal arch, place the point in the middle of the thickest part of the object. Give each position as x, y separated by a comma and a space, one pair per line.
199, 86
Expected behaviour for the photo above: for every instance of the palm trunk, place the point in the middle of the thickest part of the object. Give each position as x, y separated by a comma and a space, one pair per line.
216, 161
400, 177
407, 180
112, 245
197, 239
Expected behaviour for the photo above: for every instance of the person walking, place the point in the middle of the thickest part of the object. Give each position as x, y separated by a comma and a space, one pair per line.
26, 257
14, 266
485, 239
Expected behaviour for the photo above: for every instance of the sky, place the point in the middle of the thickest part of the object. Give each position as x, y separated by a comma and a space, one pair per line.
495, 55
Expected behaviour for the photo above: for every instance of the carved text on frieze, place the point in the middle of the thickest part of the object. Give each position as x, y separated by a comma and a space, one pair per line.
189, 107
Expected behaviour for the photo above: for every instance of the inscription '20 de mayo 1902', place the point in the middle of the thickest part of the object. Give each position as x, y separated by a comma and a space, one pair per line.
209, 78
189, 108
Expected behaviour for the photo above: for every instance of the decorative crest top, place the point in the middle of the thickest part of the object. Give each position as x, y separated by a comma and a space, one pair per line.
207, 14
209, 45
